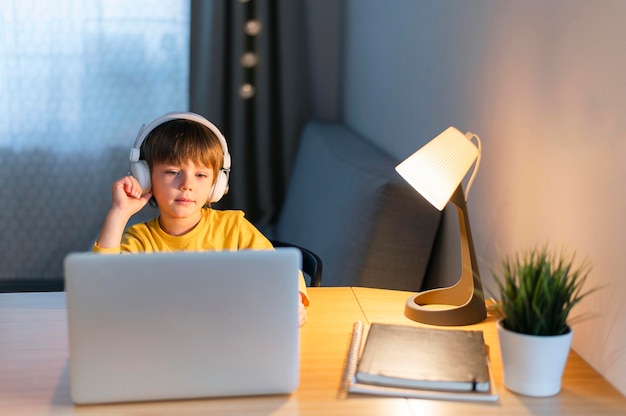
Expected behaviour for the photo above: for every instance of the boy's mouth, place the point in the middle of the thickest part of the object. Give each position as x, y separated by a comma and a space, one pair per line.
184, 201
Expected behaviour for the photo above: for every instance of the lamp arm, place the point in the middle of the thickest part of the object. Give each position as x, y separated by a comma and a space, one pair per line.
462, 303
470, 136
469, 263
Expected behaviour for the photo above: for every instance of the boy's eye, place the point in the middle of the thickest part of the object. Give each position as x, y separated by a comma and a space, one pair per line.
171, 172
202, 175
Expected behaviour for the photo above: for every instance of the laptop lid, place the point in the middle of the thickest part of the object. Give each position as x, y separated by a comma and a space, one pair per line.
182, 325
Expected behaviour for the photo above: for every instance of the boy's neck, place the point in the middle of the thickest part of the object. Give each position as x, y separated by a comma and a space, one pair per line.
178, 226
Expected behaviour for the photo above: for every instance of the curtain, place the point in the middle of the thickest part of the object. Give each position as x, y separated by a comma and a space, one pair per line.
249, 76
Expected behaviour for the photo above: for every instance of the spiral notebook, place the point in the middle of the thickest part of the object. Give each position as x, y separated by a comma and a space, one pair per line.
182, 325
378, 383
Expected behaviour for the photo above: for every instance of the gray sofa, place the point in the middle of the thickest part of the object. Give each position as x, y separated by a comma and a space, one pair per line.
346, 203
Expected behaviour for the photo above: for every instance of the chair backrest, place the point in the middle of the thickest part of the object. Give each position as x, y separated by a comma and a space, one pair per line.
311, 263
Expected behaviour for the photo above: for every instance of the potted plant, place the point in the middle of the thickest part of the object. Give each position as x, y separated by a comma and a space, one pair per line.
538, 290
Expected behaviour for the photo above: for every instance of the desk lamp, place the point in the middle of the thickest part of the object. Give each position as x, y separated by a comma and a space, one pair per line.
436, 171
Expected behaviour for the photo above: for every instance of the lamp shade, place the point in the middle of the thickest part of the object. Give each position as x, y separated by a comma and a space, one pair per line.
437, 169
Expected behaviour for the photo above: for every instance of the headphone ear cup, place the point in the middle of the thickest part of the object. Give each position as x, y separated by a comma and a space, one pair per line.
220, 187
141, 172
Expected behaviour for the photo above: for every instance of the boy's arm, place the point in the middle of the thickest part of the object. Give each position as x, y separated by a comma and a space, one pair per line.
304, 296
126, 201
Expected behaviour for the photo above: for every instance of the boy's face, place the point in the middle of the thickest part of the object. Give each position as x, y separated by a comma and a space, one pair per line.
181, 190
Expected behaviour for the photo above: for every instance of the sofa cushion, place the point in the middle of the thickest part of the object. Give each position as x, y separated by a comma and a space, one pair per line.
346, 202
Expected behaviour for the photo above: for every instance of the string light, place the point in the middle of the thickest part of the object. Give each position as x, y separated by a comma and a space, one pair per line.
247, 91
250, 58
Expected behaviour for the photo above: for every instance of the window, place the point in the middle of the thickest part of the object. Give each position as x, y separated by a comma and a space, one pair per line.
77, 80
77, 73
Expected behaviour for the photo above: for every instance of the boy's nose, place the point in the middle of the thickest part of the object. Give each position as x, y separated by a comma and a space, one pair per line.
185, 183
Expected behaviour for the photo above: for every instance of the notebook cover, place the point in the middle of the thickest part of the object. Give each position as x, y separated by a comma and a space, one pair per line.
424, 358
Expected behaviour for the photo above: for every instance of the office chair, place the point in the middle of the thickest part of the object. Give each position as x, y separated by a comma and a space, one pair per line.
311, 263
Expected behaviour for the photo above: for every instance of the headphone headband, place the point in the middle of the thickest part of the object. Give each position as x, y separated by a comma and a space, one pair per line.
146, 130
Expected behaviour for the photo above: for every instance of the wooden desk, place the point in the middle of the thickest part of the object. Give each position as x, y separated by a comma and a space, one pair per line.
34, 377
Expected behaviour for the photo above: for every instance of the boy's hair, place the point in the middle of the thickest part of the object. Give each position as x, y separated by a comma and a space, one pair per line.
179, 141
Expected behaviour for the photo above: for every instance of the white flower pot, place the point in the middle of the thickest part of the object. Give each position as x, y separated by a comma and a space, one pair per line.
533, 365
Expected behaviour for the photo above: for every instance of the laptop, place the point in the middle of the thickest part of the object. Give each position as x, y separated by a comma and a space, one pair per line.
182, 325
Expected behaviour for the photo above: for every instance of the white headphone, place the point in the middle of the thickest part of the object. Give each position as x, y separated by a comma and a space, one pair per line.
140, 170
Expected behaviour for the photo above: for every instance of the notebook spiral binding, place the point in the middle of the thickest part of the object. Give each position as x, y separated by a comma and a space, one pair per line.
352, 358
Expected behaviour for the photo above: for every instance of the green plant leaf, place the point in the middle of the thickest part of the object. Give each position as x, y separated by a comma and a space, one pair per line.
538, 290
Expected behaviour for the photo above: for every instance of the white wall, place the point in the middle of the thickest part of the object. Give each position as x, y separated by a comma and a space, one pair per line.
543, 83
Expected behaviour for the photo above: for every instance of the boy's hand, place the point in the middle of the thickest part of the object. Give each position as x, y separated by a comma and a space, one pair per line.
127, 200
127, 196
301, 313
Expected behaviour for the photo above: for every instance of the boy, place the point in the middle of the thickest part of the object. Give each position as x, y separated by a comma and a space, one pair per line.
180, 162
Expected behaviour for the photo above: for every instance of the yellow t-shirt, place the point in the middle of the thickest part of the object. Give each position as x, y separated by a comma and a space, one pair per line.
217, 230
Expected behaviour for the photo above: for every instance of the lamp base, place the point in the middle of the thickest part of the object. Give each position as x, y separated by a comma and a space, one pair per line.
423, 307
